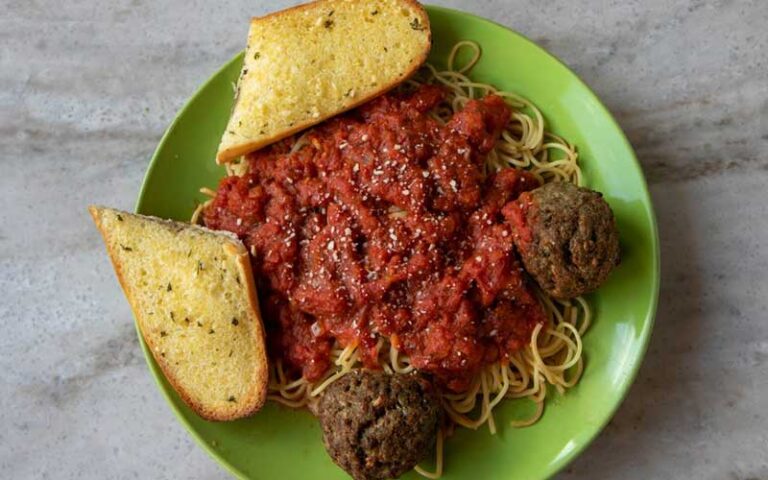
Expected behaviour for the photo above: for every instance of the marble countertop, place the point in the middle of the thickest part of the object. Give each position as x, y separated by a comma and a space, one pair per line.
87, 88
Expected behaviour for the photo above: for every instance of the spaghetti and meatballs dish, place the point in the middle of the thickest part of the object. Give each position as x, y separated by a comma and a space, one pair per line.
418, 260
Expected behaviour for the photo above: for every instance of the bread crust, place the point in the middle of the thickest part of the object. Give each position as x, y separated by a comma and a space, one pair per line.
261, 372
256, 397
231, 153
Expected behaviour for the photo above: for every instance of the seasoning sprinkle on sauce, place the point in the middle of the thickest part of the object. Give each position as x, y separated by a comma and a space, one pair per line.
431, 263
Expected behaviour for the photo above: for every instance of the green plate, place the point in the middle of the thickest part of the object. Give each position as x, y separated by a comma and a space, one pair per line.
282, 443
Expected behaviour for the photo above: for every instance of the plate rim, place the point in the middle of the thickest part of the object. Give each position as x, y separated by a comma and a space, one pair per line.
650, 318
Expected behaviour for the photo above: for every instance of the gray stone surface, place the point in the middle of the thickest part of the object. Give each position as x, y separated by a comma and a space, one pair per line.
87, 88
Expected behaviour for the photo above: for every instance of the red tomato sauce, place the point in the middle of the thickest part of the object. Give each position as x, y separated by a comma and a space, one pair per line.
383, 224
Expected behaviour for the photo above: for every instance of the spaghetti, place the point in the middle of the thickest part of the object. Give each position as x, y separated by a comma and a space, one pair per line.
553, 356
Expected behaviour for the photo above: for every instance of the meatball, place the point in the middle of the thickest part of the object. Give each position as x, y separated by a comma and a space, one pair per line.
566, 236
378, 426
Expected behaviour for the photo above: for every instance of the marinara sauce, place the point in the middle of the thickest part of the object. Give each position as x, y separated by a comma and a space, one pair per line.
384, 225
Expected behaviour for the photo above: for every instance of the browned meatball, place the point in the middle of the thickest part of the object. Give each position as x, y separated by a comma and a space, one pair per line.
566, 236
378, 426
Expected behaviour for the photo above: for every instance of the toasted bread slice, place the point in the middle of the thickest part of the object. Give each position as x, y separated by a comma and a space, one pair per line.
311, 62
192, 292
